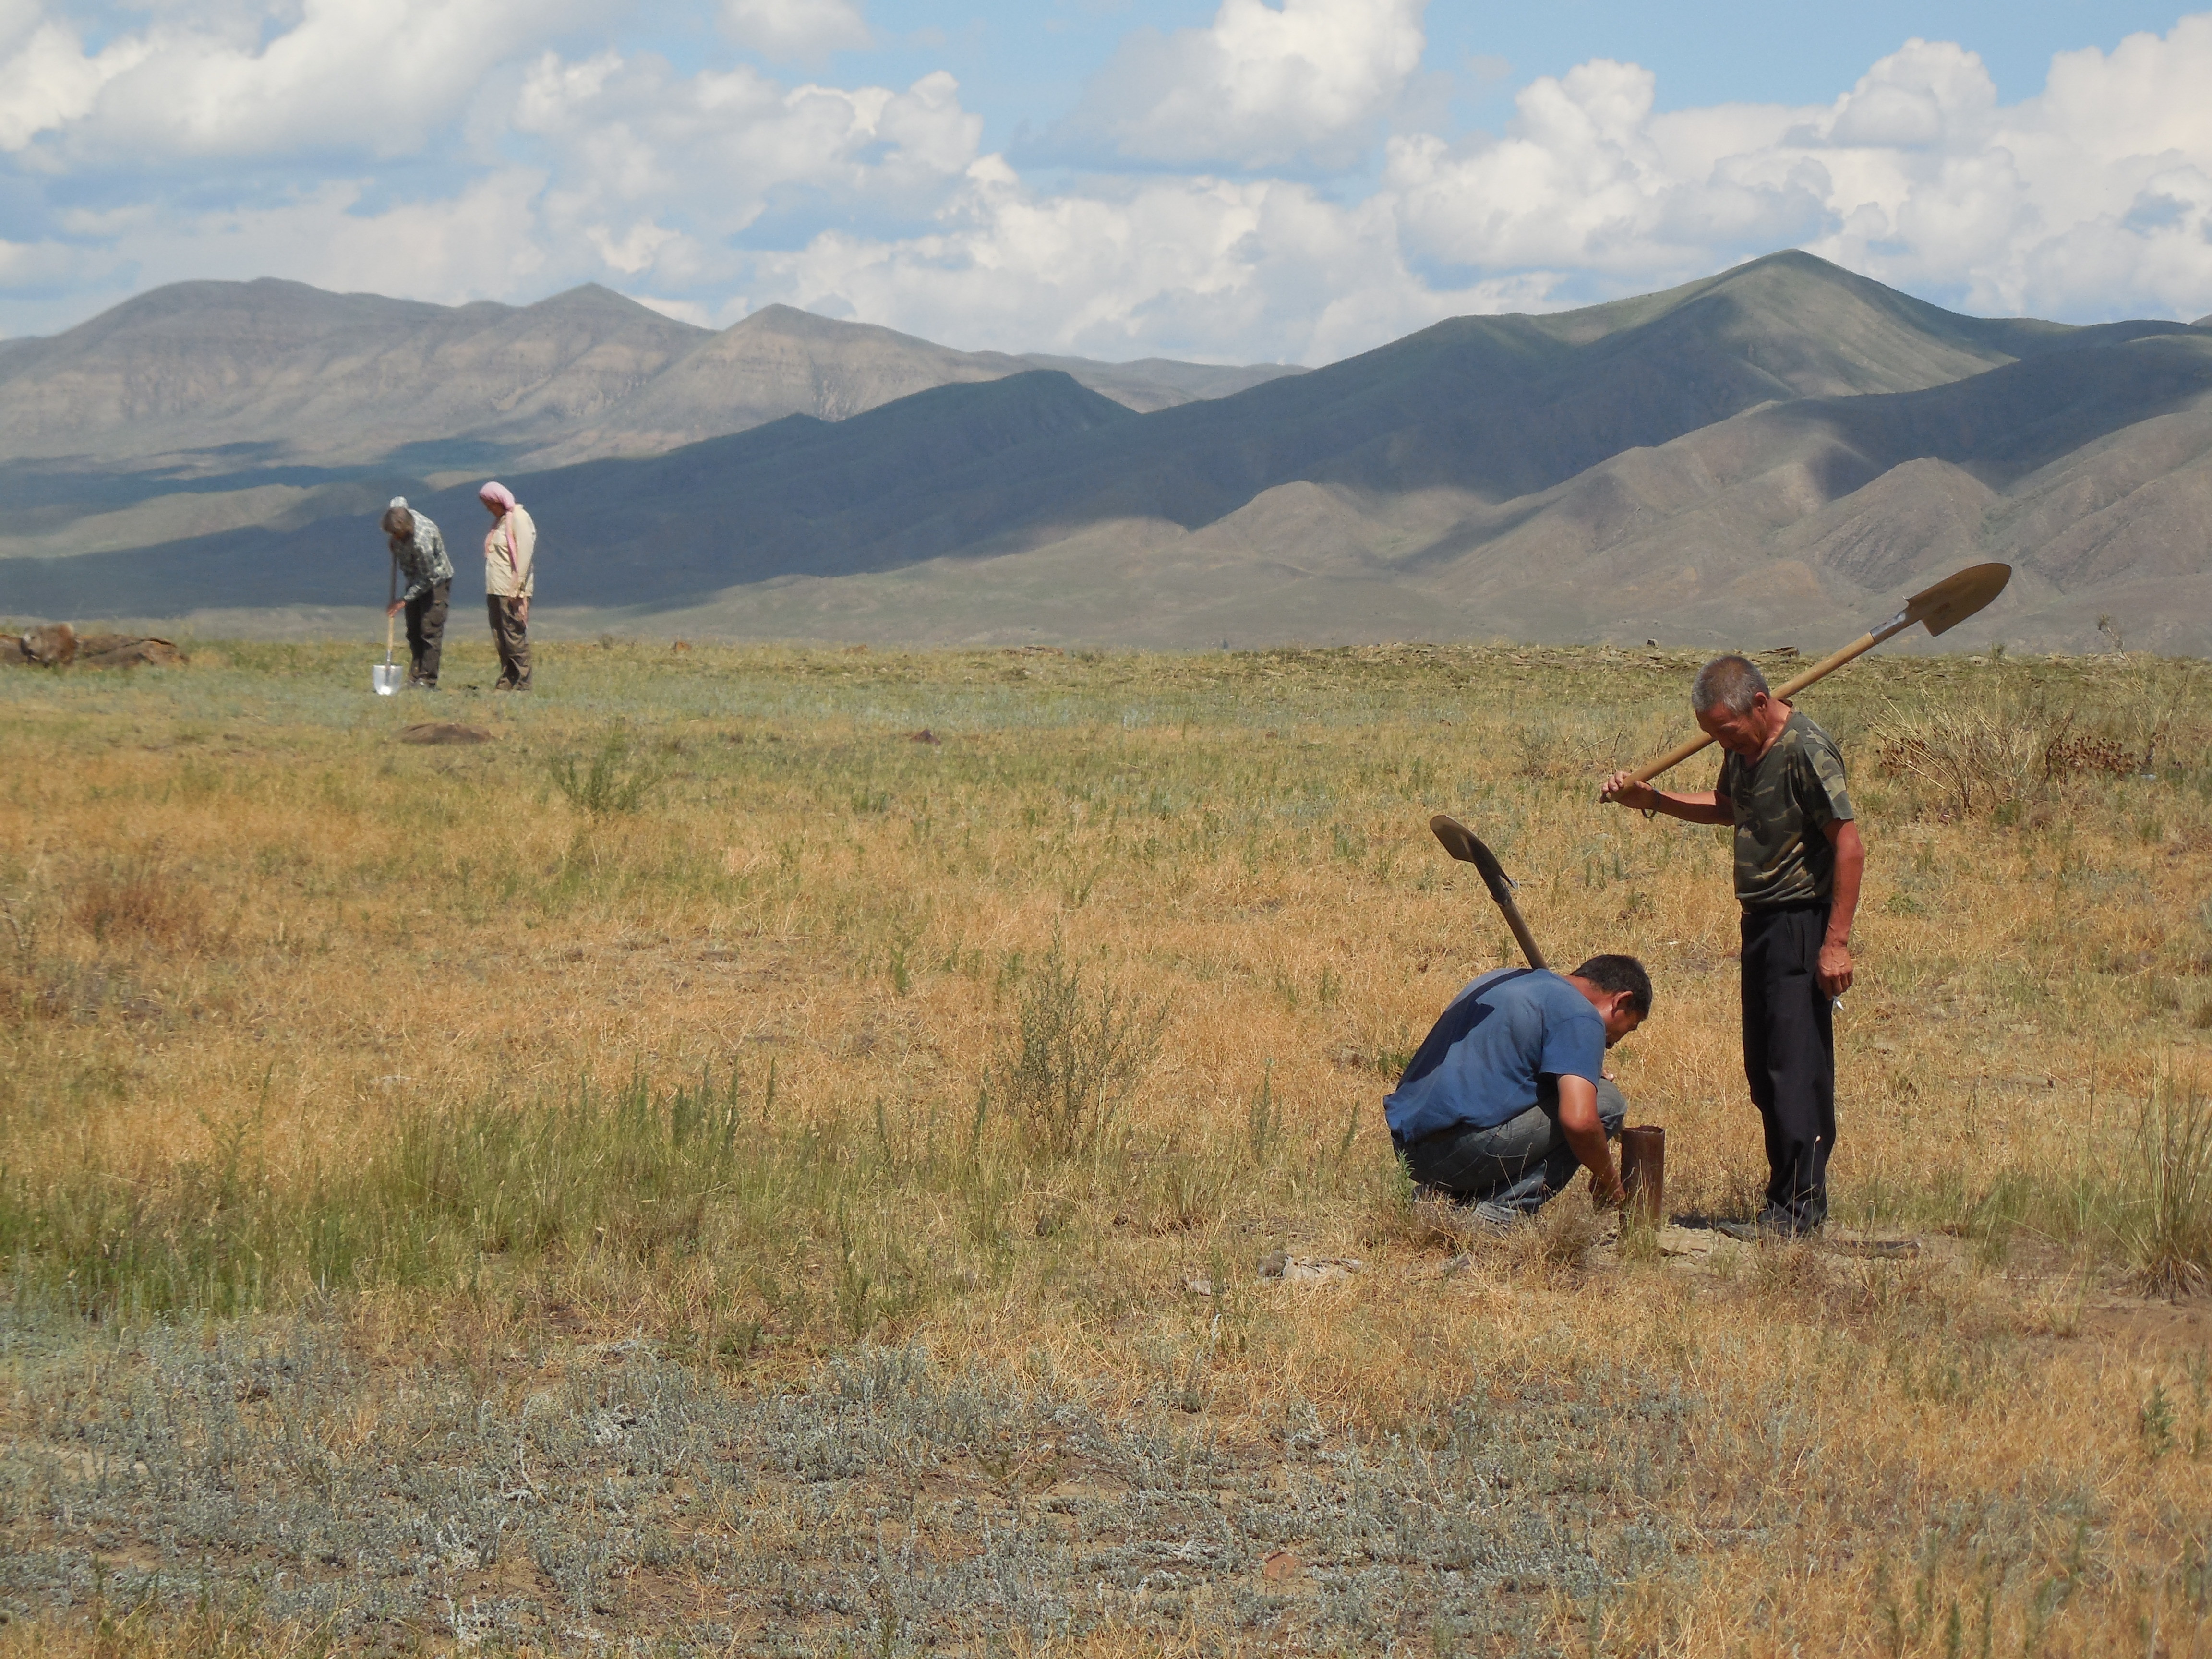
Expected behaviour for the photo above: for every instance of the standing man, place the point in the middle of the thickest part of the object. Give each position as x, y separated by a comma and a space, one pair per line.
510, 578
1508, 1092
420, 552
1798, 860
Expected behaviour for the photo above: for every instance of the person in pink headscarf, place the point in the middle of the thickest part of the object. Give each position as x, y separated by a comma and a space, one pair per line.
510, 577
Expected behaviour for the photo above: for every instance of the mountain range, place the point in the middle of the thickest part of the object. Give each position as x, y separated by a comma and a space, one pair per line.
1781, 450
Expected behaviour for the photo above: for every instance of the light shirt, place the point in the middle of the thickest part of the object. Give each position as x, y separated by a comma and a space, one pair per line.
510, 555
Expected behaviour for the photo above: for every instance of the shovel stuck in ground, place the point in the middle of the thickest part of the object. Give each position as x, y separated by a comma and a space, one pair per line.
1464, 845
384, 677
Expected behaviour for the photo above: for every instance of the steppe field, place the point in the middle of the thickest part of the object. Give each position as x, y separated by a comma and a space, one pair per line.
712, 1168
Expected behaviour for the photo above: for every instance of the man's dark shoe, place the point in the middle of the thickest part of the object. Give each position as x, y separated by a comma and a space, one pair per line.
1499, 1215
1769, 1224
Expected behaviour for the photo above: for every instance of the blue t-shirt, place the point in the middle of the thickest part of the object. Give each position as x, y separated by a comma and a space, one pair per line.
1480, 1064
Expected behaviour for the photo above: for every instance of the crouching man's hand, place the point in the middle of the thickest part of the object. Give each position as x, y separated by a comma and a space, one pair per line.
1585, 1134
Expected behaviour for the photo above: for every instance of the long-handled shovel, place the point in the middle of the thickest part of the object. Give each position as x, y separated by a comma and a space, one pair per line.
1462, 844
1643, 1149
1942, 607
384, 677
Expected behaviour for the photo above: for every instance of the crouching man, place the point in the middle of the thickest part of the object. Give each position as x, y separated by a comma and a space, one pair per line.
1509, 1093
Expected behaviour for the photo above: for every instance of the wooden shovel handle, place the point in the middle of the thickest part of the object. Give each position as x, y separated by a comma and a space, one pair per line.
1520, 930
1783, 693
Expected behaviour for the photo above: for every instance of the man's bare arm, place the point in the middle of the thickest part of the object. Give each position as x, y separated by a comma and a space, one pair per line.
1835, 965
1706, 806
1585, 1134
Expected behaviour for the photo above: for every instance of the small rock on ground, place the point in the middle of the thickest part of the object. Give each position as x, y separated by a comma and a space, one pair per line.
444, 731
1310, 1269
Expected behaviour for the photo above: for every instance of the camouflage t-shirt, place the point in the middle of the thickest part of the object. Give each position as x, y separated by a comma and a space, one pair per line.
422, 556
1783, 803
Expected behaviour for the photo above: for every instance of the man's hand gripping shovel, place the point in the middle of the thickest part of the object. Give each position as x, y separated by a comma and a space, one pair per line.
1941, 607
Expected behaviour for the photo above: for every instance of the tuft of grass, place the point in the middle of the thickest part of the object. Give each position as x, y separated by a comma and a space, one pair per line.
2165, 1219
610, 781
631, 1174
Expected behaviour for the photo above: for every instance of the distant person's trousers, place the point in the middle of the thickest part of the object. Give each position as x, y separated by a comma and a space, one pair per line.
1516, 1166
512, 636
426, 632
1789, 1057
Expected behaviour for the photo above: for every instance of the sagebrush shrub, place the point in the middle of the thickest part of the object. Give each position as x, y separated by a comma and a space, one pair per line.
1077, 1052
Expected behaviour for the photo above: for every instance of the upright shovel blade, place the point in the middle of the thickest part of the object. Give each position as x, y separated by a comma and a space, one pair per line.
385, 677
1464, 845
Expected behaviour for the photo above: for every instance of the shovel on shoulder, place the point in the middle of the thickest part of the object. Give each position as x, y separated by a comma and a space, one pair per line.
1942, 607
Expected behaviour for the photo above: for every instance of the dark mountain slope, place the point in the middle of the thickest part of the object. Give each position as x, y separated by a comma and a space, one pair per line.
1506, 407
908, 481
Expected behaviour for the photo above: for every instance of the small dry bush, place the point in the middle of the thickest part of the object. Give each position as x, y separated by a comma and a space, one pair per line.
140, 900
611, 781
1982, 756
1077, 1052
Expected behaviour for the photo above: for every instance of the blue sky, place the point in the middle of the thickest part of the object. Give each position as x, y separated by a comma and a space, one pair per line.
1238, 180
1024, 65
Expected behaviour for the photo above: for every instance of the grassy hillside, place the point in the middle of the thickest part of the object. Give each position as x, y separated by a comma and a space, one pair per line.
712, 1168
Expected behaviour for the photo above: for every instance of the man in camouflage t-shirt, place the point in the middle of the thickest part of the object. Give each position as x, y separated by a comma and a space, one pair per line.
1798, 860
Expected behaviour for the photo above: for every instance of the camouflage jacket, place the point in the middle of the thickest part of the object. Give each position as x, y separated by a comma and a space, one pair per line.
422, 558
1783, 803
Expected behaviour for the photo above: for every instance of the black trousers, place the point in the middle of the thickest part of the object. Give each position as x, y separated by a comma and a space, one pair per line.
1789, 1057
512, 636
426, 632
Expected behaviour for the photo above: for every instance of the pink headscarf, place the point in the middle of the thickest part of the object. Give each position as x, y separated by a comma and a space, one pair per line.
499, 495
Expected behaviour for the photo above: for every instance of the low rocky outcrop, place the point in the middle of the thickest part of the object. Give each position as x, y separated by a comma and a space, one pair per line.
57, 644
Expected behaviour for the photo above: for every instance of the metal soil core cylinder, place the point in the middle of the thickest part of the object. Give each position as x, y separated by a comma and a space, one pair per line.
1644, 1171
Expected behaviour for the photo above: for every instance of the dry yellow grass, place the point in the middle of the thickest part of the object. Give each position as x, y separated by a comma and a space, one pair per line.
297, 1014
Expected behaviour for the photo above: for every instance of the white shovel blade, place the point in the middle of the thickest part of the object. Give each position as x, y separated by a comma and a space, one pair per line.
384, 677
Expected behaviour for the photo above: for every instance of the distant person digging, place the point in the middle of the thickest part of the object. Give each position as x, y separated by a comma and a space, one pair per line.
1508, 1093
1798, 860
420, 549
510, 578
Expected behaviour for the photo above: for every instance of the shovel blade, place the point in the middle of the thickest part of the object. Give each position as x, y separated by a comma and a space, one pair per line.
1463, 844
1957, 596
385, 677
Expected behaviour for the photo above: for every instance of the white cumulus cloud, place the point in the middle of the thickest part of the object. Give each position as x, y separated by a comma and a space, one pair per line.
805, 29
1262, 86
520, 148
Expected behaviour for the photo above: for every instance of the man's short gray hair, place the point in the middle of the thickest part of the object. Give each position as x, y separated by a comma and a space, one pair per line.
1729, 682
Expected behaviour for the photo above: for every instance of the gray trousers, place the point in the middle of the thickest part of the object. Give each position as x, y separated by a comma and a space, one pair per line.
512, 636
1516, 1166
